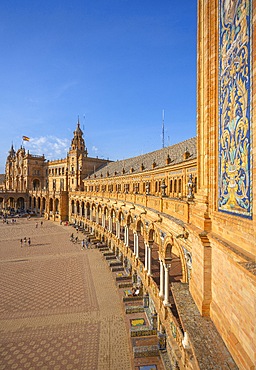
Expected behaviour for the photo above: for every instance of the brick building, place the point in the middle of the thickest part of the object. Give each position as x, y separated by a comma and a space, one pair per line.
180, 219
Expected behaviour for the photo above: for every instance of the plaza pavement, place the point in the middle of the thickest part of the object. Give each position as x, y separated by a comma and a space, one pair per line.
59, 306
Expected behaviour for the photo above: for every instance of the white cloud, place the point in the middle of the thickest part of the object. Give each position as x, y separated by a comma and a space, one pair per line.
95, 149
51, 146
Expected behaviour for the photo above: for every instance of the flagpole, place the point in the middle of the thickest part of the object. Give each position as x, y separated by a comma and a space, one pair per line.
163, 129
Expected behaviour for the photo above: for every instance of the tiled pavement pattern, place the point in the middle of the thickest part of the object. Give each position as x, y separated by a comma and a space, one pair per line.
59, 307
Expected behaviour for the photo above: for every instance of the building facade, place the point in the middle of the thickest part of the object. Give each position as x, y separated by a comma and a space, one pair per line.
37, 185
180, 219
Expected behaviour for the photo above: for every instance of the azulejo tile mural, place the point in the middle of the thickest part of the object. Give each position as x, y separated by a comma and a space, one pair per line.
235, 91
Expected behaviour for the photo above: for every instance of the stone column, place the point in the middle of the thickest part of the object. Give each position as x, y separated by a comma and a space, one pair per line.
149, 260
97, 217
103, 220
41, 206
126, 239
127, 236
110, 224
166, 285
53, 206
161, 291
118, 229
136, 244
91, 214
146, 256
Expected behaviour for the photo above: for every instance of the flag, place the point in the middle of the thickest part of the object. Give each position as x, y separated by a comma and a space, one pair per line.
25, 138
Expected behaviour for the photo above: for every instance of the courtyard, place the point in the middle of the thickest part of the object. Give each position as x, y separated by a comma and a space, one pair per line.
60, 307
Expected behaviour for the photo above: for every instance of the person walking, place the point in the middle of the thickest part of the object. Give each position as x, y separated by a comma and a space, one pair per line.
29, 242
21, 242
83, 244
25, 240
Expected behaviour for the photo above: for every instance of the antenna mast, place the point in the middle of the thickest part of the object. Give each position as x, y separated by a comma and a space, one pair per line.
84, 122
163, 129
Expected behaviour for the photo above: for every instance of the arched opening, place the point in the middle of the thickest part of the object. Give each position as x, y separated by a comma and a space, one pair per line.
20, 204
87, 207
50, 204
43, 204
78, 208
39, 203
105, 218
1, 204
100, 215
172, 255
113, 218
155, 265
57, 205
36, 184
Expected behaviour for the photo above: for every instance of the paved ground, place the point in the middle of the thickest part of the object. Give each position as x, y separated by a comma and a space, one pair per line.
59, 307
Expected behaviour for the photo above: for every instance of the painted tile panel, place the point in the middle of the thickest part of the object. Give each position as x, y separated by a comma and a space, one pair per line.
235, 94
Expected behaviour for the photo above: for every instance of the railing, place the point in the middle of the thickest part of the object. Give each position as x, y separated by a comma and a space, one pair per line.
175, 207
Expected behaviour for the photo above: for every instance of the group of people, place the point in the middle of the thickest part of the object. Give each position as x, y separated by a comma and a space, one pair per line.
25, 241
41, 223
85, 243
6, 221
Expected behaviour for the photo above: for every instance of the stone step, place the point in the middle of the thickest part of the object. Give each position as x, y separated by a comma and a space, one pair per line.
118, 268
146, 351
142, 332
109, 256
132, 298
103, 249
123, 278
127, 284
134, 309
117, 263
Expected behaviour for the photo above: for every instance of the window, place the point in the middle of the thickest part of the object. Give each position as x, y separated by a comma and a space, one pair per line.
180, 187
195, 184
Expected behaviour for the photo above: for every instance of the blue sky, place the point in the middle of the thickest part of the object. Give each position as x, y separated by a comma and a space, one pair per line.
115, 63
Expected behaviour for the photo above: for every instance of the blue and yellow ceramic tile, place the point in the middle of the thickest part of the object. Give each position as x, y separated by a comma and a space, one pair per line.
235, 91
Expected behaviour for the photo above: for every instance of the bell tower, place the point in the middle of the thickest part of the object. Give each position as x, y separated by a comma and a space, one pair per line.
76, 159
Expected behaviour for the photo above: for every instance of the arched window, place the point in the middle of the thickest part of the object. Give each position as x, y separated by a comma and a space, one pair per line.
180, 186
